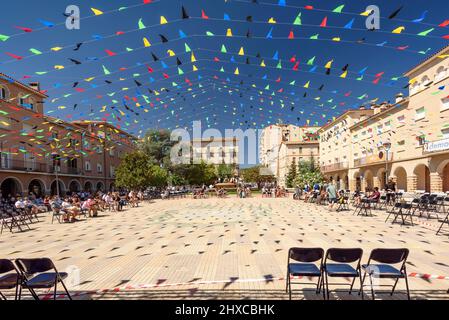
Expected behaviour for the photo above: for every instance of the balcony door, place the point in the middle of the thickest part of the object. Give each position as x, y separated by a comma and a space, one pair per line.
29, 162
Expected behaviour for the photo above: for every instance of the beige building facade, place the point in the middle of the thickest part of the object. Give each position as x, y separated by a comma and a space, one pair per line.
281, 144
407, 141
44, 155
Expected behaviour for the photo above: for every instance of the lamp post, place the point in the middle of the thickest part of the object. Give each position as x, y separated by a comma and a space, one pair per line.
56, 164
387, 147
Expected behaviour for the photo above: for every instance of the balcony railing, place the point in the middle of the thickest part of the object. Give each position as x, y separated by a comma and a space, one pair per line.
335, 167
372, 159
32, 166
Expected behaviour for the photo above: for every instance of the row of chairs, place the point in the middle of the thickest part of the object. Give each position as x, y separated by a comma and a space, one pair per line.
30, 274
346, 263
17, 219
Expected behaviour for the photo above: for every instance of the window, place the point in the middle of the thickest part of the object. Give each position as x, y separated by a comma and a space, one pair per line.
3, 93
420, 113
387, 125
421, 140
5, 160
401, 120
401, 143
87, 166
425, 81
445, 133
4, 123
441, 74
445, 104
112, 171
99, 168
380, 129
414, 88
111, 152
22, 101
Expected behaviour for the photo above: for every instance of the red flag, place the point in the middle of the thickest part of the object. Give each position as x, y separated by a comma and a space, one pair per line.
203, 15
291, 35
324, 22
296, 67
308, 7
445, 23
110, 53
14, 56
24, 29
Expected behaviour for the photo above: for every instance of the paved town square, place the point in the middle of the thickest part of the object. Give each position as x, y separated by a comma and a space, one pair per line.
221, 249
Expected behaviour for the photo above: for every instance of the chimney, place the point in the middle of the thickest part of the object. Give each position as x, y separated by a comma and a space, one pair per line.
384, 106
399, 97
376, 108
362, 108
35, 85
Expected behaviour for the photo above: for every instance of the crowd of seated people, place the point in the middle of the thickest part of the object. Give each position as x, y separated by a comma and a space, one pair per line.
71, 205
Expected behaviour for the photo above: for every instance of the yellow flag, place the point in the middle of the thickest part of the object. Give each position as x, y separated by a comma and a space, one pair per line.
241, 52
89, 79
57, 67
398, 30
307, 84
96, 11
163, 20
366, 13
262, 64
195, 68
237, 71
171, 53
146, 43
56, 49
271, 20
329, 64
193, 59
344, 74
229, 33
337, 39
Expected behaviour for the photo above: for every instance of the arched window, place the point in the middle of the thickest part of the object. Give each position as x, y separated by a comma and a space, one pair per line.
414, 88
3, 93
424, 82
441, 73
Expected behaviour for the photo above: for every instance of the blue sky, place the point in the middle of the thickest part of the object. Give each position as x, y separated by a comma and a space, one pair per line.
225, 100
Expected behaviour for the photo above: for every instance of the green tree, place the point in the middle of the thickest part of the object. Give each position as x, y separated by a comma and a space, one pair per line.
292, 174
157, 145
308, 173
256, 174
225, 171
136, 171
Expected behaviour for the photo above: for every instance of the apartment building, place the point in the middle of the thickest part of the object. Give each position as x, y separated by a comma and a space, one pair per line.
407, 141
45, 155
216, 151
336, 145
281, 144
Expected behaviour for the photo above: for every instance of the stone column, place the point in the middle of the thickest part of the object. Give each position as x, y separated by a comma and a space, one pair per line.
352, 184
376, 182
412, 183
436, 182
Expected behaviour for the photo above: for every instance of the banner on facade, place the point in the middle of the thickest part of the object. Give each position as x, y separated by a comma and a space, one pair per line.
436, 146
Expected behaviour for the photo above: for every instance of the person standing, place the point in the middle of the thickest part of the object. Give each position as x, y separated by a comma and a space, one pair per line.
332, 194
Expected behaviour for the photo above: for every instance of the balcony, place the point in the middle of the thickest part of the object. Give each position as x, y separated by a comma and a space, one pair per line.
373, 159
33, 166
335, 167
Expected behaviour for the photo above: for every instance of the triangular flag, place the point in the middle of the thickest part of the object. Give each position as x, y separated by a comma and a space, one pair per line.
187, 47
96, 11
241, 51
229, 33
141, 25
146, 43
297, 21
338, 9
106, 71
163, 20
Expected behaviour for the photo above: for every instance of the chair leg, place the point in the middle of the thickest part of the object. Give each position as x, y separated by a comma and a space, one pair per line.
352, 285
66, 291
56, 286
361, 285
289, 288
2, 296
372, 286
327, 287
406, 285
318, 286
362, 281
394, 286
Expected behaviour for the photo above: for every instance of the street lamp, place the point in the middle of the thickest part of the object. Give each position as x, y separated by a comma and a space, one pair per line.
56, 165
387, 147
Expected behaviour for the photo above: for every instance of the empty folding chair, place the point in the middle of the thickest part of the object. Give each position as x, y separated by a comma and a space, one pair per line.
9, 277
405, 211
342, 263
445, 210
305, 266
384, 268
41, 274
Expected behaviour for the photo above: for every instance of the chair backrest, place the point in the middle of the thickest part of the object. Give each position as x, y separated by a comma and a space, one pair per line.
6, 266
343, 255
306, 254
389, 256
32, 266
